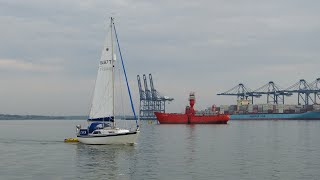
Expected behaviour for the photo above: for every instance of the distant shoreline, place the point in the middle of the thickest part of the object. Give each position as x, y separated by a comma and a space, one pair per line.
43, 117
40, 117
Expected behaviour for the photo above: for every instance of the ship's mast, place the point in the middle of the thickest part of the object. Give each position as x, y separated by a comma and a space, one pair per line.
113, 76
192, 100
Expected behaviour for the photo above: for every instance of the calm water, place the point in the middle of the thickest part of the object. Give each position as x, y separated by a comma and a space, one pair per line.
239, 150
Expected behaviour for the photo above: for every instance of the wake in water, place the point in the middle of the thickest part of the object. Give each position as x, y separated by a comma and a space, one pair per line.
28, 141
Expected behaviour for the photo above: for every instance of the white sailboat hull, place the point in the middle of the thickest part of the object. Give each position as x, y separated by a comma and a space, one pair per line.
128, 138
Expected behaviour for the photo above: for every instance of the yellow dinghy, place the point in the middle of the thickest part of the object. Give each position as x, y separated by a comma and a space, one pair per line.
71, 140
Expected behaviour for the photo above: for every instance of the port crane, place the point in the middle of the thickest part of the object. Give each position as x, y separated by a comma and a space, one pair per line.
242, 92
315, 85
303, 89
150, 99
276, 95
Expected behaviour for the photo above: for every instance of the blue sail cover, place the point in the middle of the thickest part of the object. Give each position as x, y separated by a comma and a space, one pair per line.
98, 125
110, 119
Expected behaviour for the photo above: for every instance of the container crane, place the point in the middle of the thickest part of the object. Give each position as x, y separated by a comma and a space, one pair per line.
150, 99
142, 96
315, 85
303, 89
242, 92
274, 93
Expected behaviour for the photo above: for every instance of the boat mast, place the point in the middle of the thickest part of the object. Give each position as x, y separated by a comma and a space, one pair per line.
112, 60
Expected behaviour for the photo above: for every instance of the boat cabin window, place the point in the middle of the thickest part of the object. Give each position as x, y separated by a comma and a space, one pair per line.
101, 126
96, 132
107, 125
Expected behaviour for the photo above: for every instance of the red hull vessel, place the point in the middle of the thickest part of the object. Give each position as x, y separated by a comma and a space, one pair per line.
190, 117
168, 118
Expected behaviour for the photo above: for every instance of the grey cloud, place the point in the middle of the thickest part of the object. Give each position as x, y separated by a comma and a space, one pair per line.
204, 46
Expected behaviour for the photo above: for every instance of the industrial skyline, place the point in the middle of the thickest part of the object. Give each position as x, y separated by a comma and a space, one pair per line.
307, 93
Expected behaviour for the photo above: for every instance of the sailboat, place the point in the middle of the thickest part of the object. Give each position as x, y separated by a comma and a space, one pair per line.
102, 128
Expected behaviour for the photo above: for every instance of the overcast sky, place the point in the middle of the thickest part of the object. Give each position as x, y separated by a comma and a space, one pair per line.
49, 50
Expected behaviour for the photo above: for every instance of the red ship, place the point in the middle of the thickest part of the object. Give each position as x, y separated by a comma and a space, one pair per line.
190, 116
